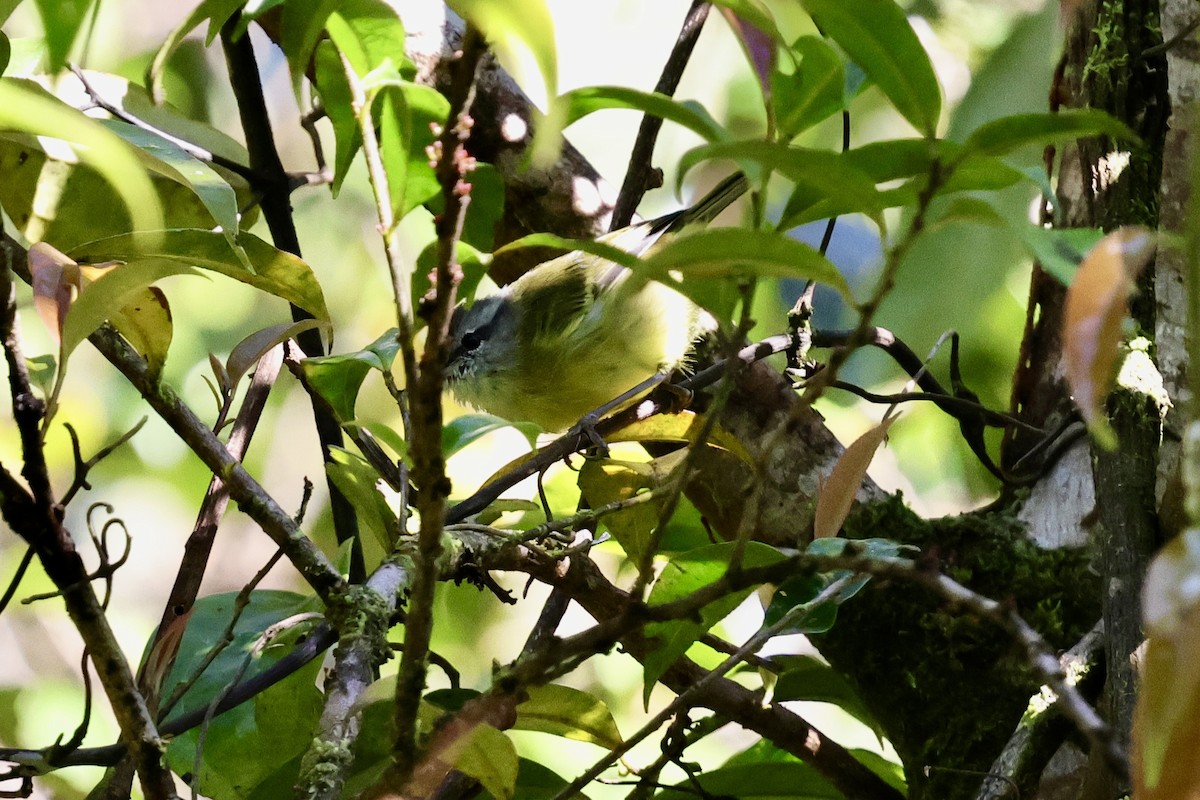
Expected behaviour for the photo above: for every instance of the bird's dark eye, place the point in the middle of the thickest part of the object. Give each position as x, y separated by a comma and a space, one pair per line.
471, 341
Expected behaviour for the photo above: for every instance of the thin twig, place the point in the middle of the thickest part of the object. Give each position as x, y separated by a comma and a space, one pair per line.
36, 516
192, 149
240, 603
275, 185
82, 467
641, 170
686, 698
1039, 655
425, 400
22, 567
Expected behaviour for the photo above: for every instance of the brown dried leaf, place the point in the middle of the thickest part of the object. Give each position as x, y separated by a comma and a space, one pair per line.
1165, 736
1095, 309
838, 491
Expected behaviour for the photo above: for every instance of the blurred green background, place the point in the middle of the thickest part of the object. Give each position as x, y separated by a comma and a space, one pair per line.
992, 59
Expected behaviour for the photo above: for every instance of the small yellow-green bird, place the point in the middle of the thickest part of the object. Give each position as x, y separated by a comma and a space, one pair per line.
577, 331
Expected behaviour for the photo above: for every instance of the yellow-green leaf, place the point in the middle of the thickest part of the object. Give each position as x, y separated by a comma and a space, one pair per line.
106, 297
145, 321
570, 713
488, 756
27, 109
274, 271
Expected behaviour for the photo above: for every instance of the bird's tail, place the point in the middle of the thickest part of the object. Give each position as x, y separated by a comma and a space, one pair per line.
643, 238
713, 203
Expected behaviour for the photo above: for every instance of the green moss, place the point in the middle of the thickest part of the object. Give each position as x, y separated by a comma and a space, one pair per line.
362, 613
324, 766
1108, 55
947, 687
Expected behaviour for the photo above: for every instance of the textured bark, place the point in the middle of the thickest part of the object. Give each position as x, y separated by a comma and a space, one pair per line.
1107, 69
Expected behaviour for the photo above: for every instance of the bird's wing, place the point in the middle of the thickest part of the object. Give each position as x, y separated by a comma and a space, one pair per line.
555, 296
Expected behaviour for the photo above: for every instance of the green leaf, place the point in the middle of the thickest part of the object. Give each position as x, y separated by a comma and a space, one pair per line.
335, 93
368, 33
407, 114
804, 588
519, 30
462, 431
473, 263
215, 12
809, 678
680, 577
764, 755
968, 210
831, 176
1060, 250
385, 434
483, 217
1014, 76
5, 49
247, 744
1009, 133
537, 782
776, 781
523, 32
570, 713
603, 481
61, 20
740, 253
217, 196
130, 98
891, 772
274, 271
812, 92
357, 480
249, 350
370, 37
302, 27
597, 248
876, 34
488, 756
893, 159
578, 103
798, 591
52, 198
42, 370
27, 109
339, 378
911, 160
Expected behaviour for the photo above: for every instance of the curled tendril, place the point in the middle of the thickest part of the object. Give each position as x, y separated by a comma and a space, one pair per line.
100, 540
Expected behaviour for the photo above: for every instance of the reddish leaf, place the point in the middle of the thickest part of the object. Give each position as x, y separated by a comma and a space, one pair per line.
55, 284
838, 491
759, 46
161, 658
1095, 309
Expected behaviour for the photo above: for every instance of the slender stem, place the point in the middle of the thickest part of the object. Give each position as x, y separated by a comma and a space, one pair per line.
641, 170
686, 698
276, 186
425, 382
37, 517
